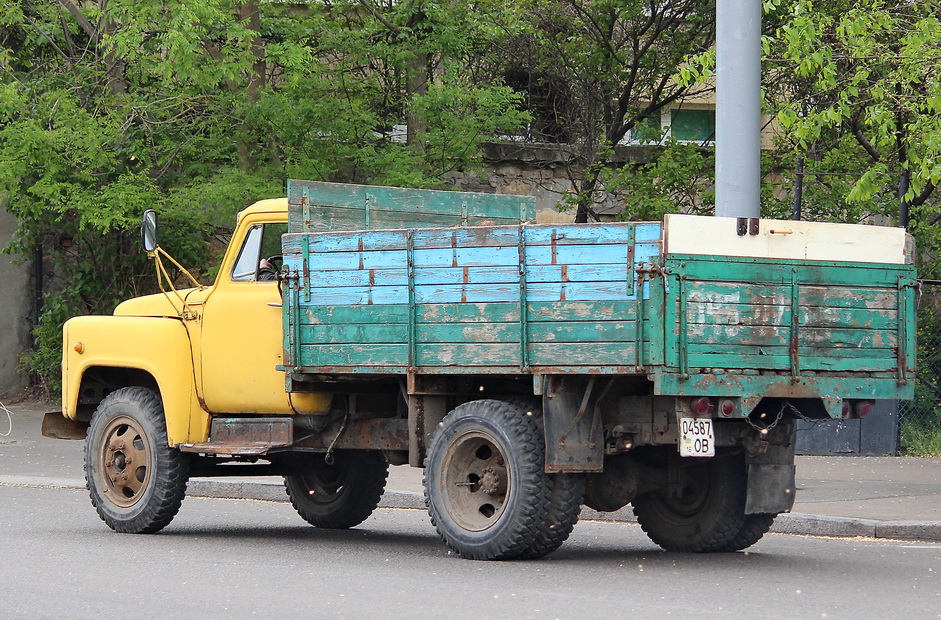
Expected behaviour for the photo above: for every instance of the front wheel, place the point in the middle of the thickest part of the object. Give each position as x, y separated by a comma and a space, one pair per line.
485, 484
135, 479
707, 513
341, 494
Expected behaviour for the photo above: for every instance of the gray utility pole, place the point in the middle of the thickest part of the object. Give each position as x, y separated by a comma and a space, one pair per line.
738, 108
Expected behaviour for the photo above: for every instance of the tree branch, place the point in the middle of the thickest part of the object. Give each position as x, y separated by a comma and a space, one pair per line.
76, 12
863, 141
382, 18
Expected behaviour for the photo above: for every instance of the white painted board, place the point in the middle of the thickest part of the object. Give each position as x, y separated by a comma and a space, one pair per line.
787, 239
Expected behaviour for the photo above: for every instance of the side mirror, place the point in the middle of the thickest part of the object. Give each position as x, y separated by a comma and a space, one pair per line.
148, 231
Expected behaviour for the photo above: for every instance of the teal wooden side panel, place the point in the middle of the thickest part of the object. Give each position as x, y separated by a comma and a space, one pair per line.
451, 299
788, 316
314, 206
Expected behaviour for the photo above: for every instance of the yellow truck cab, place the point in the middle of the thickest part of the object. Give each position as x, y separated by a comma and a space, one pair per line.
206, 350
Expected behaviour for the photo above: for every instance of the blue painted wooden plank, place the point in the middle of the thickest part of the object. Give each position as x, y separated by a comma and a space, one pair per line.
579, 291
466, 257
577, 255
375, 295
648, 232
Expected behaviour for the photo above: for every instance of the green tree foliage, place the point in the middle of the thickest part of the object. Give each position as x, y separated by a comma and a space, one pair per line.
855, 88
606, 66
198, 108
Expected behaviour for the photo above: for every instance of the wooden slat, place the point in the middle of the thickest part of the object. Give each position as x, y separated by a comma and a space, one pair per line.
757, 315
588, 354
359, 354
336, 206
352, 333
486, 354
355, 314
747, 270
578, 333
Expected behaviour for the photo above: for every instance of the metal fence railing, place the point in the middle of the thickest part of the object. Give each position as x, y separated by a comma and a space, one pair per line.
920, 418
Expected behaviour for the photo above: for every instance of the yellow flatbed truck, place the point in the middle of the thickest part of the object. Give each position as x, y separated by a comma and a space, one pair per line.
529, 369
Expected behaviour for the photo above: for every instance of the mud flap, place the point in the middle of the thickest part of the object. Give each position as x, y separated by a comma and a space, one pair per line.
574, 439
770, 488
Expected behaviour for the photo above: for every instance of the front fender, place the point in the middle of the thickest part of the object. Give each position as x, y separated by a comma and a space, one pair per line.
159, 346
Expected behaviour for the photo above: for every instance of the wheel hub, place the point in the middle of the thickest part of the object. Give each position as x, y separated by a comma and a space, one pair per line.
492, 482
475, 481
125, 461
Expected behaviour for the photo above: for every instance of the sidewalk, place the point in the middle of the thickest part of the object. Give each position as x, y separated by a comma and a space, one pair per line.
881, 497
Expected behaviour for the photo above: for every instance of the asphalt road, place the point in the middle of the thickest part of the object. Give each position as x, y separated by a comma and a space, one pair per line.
241, 559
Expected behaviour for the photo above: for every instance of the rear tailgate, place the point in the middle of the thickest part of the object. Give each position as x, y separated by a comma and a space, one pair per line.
784, 324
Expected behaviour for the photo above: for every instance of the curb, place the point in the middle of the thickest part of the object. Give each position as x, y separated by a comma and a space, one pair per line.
788, 523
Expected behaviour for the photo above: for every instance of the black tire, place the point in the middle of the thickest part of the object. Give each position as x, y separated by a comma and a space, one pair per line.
707, 516
753, 529
565, 504
565, 499
340, 495
485, 483
135, 479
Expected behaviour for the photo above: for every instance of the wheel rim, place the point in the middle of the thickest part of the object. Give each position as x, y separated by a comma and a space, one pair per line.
125, 461
326, 484
476, 482
694, 498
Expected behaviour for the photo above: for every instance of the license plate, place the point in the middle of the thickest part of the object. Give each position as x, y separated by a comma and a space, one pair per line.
697, 437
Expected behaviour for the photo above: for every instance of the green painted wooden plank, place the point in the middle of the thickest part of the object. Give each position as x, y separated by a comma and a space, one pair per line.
338, 315
778, 358
456, 333
730, 384
588, 354
762, 294
468, 355
359, 354
351, 333
335, 206
583, 311
728, 269
741, 314
582, 332
468, 313
783, 363
780, 335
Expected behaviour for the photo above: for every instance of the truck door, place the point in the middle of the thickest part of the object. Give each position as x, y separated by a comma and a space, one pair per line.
241, 327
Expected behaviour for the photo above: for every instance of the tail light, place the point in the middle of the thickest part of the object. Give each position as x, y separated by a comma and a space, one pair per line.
863, 408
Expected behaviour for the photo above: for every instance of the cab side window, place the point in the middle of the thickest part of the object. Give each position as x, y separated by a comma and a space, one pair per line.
260, 256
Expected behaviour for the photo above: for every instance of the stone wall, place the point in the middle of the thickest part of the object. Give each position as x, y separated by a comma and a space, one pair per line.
546, 171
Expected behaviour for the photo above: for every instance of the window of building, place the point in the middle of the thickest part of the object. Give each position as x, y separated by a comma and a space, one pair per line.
693, 125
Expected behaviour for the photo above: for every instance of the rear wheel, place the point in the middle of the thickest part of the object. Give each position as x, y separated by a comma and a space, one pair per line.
485, 484
708, 514
135, 479
753, 529
342, 494
566, 492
